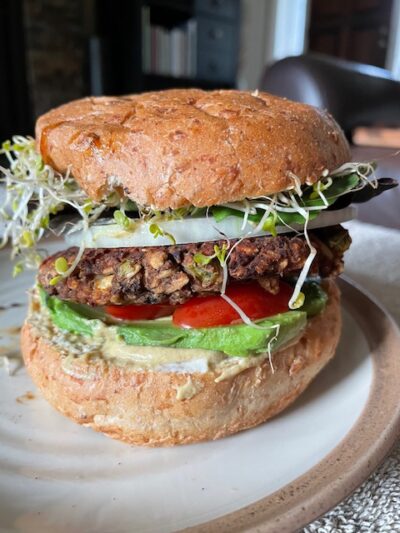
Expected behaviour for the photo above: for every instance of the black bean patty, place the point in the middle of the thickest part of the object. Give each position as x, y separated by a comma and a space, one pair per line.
171, 274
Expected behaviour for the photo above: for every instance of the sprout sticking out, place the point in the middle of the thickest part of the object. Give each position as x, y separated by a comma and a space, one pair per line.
34, 192
287, 207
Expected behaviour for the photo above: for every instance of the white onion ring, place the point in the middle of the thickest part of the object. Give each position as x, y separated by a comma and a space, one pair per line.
191, 230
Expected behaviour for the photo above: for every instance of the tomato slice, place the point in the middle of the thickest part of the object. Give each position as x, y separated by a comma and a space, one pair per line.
209, 311
139, 312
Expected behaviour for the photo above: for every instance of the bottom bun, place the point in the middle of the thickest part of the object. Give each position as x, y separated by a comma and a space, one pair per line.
141, 407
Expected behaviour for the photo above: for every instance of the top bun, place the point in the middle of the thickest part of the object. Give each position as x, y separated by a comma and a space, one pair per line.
177, 148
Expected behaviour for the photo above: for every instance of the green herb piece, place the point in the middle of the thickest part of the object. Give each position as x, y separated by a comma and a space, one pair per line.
61, 265
270, 224
203, 274
156, 231
299, 301
27, 239
18, 268
202, 259
88, 206
319, 187
45, 221
123, 221
220, 213
219, 253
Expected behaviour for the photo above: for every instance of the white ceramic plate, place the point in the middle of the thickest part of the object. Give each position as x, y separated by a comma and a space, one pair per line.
58, 477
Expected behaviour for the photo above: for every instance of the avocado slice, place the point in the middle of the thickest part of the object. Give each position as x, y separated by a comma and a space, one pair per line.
234, 340
66, 316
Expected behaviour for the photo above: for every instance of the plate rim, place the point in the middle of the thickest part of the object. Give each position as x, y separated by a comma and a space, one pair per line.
355, 457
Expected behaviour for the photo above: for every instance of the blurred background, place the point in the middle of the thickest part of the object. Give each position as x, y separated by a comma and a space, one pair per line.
343, 55
53, 51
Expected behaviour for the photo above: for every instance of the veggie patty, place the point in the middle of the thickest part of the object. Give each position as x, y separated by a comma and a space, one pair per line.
174, 274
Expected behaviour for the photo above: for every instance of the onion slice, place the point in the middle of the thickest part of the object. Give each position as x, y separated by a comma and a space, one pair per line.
108, 234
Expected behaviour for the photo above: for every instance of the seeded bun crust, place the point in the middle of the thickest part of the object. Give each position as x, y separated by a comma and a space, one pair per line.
142, 407
185, 147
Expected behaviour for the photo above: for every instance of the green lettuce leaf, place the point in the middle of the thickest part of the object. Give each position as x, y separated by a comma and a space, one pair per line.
339, 187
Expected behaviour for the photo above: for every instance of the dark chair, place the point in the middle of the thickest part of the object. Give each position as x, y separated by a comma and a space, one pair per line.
355, 94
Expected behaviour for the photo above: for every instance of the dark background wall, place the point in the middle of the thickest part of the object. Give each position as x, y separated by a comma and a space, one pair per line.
15, 102
42, 59
55, 52
357, 30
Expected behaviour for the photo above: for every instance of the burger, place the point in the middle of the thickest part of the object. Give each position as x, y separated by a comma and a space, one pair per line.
195, 296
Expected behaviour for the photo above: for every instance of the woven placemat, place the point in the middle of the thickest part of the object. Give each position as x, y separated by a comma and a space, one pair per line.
374, 262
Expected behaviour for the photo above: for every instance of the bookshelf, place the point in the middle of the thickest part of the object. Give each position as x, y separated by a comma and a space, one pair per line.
143, 45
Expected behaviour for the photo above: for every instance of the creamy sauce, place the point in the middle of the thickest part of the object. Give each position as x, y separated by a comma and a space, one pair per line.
188, 390
230, 369
107, 348
156, 357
